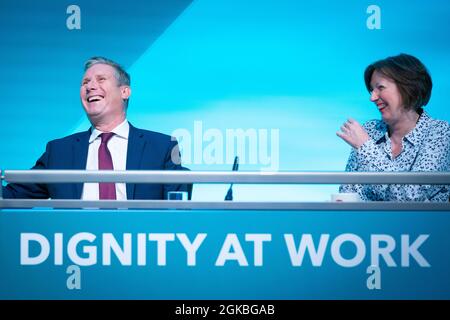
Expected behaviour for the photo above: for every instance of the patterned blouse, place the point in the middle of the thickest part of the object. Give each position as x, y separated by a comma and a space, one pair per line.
425, 148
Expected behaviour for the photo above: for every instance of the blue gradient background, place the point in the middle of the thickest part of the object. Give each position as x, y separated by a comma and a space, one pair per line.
290, 65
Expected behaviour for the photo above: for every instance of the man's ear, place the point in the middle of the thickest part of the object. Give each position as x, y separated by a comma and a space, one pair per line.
125, 92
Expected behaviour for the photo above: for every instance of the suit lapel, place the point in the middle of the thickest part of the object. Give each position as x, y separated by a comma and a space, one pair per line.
80, 152
136, 145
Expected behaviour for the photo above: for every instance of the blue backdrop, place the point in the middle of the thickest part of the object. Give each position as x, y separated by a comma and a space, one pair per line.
274, 277
286, 72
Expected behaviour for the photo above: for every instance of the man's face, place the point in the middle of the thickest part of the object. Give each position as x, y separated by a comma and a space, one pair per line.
101, 95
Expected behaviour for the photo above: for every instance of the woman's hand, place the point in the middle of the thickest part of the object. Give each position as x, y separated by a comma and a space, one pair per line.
353, 133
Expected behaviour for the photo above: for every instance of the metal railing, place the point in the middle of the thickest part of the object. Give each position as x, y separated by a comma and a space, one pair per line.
169, 177
165, 176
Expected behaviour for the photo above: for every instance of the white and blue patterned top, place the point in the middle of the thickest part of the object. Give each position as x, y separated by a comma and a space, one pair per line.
425, 148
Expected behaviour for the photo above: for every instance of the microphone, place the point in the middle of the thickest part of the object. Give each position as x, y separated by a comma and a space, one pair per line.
229, 196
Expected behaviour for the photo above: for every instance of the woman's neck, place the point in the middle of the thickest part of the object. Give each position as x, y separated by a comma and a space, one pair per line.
403, 126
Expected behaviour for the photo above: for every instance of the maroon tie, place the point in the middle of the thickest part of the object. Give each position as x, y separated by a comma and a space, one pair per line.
107, 191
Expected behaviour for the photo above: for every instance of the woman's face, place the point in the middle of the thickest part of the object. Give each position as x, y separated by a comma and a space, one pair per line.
386, 96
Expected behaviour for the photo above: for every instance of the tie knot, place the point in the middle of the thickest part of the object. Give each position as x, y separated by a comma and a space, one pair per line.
106, 136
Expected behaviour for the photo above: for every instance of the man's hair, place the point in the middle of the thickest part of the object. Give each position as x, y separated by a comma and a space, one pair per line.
410, 75
122, 76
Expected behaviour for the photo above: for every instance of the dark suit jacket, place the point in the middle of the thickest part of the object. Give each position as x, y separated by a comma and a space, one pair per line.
147, 150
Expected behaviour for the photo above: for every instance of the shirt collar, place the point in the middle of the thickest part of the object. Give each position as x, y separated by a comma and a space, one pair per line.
122, 131
415, 136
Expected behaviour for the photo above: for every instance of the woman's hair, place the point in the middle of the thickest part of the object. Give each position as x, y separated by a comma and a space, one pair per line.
411, 76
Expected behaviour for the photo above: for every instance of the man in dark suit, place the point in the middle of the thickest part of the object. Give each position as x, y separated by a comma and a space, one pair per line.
112, 143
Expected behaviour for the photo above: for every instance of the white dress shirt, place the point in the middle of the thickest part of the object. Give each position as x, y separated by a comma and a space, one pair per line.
118, 146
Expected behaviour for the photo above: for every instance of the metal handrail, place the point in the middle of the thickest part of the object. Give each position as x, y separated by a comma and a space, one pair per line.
166, 176
443, 207
141, 176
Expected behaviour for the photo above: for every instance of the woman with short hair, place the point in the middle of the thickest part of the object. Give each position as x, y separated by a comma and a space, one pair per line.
405, 139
